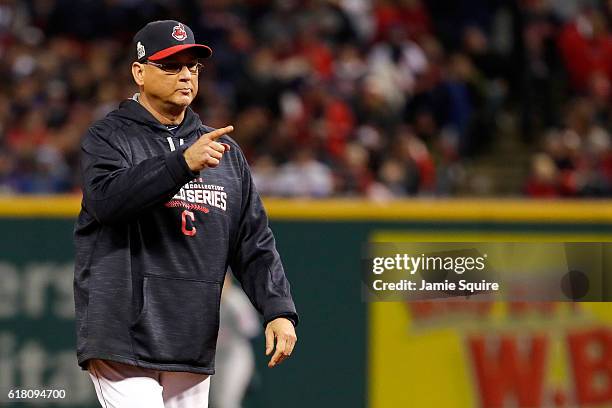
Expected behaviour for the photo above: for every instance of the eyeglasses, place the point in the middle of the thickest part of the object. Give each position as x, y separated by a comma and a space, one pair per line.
176, 67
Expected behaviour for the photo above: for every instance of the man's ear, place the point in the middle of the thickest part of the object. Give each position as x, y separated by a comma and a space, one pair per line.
138, 73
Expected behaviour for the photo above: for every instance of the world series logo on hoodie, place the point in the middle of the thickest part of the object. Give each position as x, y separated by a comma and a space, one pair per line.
197, 192
193, 196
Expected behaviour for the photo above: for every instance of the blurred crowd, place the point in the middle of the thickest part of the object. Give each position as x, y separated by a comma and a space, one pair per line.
570, 97
382, 99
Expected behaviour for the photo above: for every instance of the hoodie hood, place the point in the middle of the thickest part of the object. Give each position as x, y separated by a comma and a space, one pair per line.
132, 111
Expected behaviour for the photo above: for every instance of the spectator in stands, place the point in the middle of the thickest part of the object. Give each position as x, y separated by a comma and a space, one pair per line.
337, 76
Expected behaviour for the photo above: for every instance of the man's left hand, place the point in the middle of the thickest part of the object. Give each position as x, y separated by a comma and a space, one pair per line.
283, 331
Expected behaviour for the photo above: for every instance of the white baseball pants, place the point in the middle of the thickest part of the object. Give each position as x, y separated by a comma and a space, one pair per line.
121, 385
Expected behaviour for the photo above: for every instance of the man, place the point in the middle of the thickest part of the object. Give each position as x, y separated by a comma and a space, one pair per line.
168, 205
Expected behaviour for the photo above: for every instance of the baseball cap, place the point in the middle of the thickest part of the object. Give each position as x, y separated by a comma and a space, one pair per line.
160, 39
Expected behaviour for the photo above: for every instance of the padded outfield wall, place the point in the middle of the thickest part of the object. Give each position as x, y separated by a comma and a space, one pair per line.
350, 354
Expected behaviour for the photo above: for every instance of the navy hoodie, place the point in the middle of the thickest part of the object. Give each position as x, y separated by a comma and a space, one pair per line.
153, 242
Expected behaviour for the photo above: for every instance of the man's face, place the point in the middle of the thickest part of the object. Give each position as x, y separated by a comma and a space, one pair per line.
177, 89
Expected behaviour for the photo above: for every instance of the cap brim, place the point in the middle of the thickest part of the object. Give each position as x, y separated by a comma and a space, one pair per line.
202, 51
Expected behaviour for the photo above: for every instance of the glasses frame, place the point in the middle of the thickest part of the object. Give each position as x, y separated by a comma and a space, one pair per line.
164, 67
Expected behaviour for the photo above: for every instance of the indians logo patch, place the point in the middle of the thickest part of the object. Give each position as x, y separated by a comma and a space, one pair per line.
179, 33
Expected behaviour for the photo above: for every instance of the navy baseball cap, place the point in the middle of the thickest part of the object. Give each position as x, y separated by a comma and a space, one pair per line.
160, 39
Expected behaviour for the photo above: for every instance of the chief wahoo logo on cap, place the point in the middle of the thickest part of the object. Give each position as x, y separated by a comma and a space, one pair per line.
179, 33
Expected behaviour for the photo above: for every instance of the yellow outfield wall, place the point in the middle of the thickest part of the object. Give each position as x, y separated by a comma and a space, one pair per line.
456, 353
493, 210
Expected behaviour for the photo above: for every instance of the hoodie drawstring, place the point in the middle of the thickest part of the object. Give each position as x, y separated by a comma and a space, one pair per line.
171, 143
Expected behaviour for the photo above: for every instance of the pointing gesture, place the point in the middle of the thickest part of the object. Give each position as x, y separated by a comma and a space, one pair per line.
206, 151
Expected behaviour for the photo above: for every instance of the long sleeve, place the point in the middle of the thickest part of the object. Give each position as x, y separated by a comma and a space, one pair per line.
113, 190
255, 261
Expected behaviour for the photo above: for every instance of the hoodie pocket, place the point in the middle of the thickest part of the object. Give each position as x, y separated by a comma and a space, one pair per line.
179, 321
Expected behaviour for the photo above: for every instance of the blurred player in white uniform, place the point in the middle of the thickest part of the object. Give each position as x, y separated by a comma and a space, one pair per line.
235, 360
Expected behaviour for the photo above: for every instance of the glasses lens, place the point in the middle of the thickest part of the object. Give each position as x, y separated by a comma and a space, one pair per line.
172, 67
193, 66
176, 67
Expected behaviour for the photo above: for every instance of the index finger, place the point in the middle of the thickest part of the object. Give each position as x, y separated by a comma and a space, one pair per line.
215, 134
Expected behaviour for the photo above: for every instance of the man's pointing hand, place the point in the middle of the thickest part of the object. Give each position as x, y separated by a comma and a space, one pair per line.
206, 151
